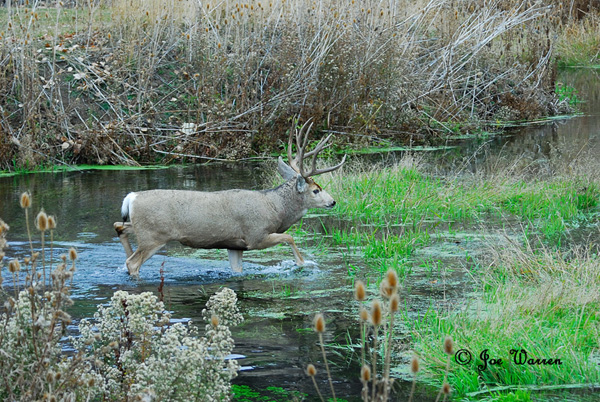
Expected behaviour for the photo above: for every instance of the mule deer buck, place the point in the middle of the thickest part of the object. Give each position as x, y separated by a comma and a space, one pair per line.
236, 220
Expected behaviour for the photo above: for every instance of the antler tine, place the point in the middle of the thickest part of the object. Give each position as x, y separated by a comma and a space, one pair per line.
302, 135
301, 143
315, 152
289, 150
319, 147
329, 169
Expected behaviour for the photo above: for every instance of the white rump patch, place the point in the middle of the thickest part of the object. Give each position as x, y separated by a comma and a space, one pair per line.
127, 207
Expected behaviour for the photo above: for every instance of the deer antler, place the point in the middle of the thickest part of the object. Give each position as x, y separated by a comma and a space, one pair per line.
301, 142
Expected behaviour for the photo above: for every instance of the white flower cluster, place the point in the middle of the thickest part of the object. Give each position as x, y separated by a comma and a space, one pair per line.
223, 305
139, 357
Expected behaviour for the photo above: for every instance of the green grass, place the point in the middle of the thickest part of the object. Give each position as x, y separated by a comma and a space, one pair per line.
420, 202
244, 393
542, 302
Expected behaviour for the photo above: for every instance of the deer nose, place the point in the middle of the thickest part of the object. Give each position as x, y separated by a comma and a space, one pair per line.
332, 204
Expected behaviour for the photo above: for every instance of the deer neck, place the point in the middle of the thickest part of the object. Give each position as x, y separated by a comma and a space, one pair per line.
288, 203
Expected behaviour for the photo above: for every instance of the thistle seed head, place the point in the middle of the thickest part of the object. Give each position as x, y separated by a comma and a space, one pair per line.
392, 278
72, 254
311, 370
363, 314
394, 302
14, 266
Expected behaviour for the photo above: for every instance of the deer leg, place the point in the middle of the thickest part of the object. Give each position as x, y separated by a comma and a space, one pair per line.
277, 238
235, 259
141, 255
123, 229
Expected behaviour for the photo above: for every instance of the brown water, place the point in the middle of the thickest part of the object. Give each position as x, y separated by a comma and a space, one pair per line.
278, 300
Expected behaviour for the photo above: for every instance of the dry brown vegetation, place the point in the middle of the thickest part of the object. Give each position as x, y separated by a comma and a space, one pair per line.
128, 82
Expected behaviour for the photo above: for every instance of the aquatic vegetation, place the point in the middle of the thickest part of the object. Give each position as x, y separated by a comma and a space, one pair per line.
537, 309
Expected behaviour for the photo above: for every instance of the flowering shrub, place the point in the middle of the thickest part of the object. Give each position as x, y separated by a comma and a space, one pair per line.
138, 356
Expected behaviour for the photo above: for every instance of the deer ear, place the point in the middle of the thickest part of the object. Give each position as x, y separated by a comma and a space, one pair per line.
301, 184
285, 170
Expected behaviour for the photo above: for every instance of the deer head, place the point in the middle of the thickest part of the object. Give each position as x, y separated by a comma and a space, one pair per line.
314, 195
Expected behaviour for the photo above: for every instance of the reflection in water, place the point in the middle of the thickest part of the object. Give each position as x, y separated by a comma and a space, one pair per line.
277, 298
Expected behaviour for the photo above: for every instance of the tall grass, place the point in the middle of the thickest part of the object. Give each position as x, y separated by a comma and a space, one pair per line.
145, 81
580, 43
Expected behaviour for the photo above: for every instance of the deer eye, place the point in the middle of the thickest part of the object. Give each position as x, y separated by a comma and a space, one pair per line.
316, 191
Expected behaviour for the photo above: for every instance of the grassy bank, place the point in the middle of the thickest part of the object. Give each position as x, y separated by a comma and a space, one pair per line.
128, 82
536, 287
402, 209
541, 302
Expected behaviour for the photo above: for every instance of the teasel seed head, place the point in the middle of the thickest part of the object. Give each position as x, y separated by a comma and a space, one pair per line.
51, 222
41, 221
319, 322
72, 254
14, 266
392, 278
394, 302
365, 373
50, 377
25, 200
359, 291
363, 314
446, 388
414, 364
311, 370
385, 289
214, 321
376, 313
448, 345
